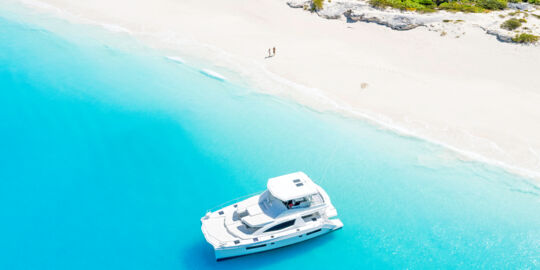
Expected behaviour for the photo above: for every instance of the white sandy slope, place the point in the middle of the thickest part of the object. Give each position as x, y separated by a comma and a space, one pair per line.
472, 94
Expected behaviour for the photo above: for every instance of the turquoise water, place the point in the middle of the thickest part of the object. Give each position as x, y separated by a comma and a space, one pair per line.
110, 154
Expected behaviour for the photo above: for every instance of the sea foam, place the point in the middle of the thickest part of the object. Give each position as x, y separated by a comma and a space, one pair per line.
212, 74
176, 59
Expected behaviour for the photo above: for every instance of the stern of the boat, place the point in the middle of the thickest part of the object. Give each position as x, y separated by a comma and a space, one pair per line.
336, 224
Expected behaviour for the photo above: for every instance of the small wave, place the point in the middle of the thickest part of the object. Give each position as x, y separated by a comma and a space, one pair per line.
212, 74
112, 27
176, 59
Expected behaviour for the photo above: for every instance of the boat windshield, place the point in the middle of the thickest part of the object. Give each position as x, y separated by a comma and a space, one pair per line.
298, 203
271, 205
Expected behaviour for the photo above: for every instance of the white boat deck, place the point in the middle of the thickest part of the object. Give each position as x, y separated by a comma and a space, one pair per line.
292, 205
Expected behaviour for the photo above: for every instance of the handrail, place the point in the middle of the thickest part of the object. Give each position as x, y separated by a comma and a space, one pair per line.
262, 238
206, 233
233, 201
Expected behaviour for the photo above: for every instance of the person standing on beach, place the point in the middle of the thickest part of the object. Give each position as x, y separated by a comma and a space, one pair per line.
274, 49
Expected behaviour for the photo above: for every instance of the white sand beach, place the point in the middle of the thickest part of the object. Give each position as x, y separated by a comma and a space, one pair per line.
470, 93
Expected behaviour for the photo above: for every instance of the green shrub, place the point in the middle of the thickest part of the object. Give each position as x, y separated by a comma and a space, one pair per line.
493, 4
427, 10
426, 2
405, 4
411, 4
525, 38
471, 6
317, 4
511, 24
463, 7
380, 3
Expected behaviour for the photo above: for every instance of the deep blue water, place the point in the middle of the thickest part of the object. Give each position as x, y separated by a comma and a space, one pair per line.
110, 154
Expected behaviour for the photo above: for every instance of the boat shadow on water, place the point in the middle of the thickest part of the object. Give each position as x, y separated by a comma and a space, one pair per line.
201, 255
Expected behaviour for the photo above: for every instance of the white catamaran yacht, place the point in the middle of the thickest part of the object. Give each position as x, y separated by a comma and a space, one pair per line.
291, 210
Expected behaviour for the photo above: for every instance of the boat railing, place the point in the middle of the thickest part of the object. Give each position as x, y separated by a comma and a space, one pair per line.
215, 239
263, 237
233, 201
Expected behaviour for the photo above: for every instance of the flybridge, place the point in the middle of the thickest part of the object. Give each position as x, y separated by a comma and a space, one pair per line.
291, 186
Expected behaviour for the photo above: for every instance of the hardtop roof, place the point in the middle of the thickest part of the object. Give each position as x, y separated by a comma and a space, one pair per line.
291, 186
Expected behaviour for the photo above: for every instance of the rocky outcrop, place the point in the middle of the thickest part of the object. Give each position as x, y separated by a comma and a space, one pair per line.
500, 36
394, 21
520, 6
298, 3
335, 10
329, 15
448, 24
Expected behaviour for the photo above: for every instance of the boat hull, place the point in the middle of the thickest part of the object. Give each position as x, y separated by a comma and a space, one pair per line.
233, 252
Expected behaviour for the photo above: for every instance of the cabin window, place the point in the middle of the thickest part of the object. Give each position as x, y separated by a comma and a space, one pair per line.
297, 203
281, 226
258, 246
311, 217
316, 199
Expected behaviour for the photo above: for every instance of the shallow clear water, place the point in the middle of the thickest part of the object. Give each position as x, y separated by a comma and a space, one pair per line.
110, 154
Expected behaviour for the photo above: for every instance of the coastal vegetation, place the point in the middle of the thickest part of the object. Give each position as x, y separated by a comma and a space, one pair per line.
492, 4
317, 4
512, 24
469, 6
514, 21
461, 6
525, 38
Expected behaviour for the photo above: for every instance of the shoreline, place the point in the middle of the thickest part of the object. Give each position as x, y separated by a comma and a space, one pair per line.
281, 77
